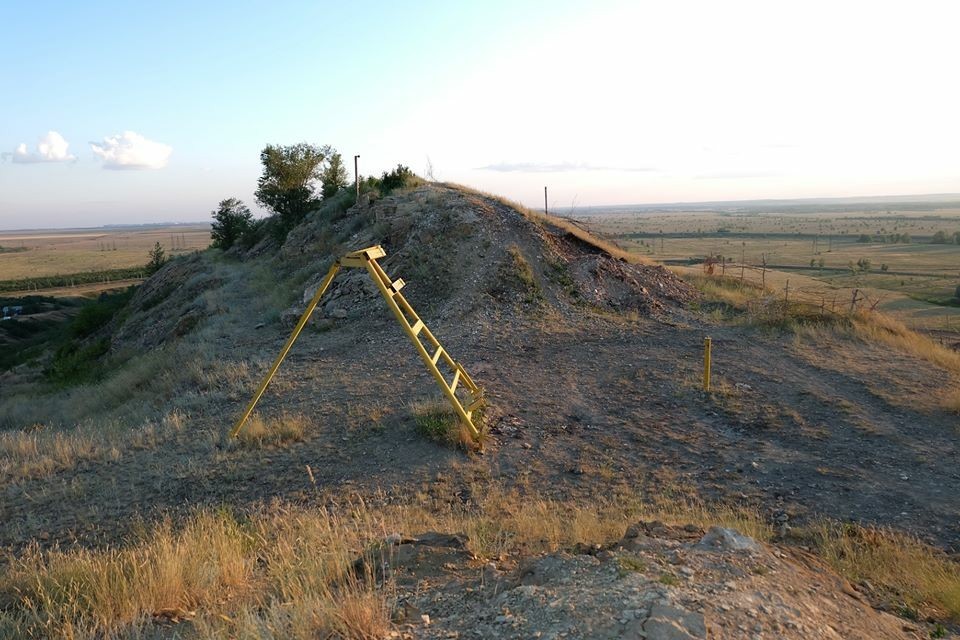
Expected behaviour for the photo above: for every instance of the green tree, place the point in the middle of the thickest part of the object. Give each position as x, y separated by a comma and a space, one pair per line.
940, 237
864, 264
289, 180
334, 175
231, 220
157, 258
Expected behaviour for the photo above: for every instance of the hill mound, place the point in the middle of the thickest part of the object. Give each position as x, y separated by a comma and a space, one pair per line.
460, 253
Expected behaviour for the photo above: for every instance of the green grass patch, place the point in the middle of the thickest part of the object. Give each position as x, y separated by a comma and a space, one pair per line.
437, 421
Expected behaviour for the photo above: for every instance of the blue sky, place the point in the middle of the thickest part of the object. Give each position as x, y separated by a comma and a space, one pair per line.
605, 101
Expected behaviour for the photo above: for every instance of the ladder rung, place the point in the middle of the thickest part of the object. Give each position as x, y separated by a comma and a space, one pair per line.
397, 285
353, 261
417, 327
456, 379
475, 405
436, 356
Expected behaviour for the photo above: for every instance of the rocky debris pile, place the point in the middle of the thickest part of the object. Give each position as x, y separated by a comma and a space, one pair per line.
657, 583
458, 252
607, 282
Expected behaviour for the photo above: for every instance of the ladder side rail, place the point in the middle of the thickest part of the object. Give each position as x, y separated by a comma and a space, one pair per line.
403, 304
372, 266
401, 301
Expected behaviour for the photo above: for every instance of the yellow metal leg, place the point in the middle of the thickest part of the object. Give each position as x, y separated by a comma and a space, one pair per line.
286, 348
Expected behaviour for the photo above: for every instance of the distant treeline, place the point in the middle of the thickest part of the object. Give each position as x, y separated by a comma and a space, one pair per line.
12, 249
72, 279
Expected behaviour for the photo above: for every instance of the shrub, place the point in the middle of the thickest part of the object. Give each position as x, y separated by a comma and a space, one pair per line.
232, 220
334, 176
75, 364
400, 178
940, 237
157, 258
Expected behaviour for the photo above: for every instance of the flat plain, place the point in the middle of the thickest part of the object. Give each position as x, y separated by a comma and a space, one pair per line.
820, 250
51, 252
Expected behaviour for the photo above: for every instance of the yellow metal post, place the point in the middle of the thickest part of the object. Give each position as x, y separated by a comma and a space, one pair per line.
286, 348
707, 348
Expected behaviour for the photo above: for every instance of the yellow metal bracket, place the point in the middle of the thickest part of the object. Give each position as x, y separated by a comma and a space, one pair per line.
409, 321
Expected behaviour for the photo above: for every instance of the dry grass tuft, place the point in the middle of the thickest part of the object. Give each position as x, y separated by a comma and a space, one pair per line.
724, 289
274, 431
899, 566
39, 452
877, 327
288, 572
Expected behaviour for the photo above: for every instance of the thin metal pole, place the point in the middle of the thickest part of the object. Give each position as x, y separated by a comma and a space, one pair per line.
356, 176
545, 211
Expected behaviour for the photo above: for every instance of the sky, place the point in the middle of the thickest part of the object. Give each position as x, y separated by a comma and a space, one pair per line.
132, 112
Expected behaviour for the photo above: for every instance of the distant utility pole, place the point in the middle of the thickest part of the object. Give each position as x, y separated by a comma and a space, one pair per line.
545, 212
356, 176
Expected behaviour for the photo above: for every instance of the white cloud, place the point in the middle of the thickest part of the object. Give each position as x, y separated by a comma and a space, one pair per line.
130, 150
50, 148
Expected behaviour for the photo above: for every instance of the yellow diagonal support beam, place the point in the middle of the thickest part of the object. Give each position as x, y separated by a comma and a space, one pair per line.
322, 289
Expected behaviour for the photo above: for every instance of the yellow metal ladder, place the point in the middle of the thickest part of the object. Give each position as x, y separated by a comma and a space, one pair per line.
411, 323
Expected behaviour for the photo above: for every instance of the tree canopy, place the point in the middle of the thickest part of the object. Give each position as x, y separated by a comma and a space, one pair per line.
288, 184
334, 175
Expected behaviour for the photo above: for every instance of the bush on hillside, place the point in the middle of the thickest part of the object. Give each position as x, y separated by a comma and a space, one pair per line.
157, 258
231, 221
400, 178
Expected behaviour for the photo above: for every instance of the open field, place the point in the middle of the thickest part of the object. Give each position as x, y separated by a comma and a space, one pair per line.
30, 254
818, 252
